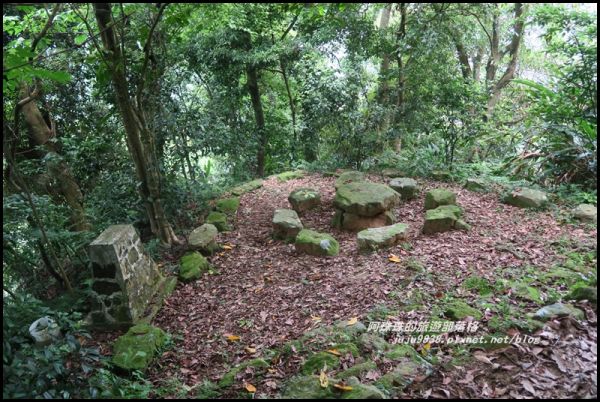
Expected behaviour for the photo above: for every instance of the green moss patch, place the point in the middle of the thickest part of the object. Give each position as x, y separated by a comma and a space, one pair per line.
135, 349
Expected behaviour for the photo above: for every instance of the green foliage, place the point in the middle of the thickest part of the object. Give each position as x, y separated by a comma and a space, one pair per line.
60, 370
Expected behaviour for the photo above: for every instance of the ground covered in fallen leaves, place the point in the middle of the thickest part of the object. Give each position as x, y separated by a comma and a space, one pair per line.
265, 295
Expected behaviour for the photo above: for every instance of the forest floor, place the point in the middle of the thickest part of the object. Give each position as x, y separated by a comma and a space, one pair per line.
267, 294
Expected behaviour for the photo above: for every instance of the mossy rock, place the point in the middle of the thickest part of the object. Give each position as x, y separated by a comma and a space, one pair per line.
395, 381
441, 175
406, 187
349, 177
400, 351
192, 266
203, 238
304, 199
526, 198
584, 293
357, 223
358, 370
228, 205
586, 213
229, 378
365, 198
219, 220
290, 175
378, 238
286, 224
476, 185
439, 196
440, 219
136, 349
392, 173
316, 362
458, 310
247, 187
315, 243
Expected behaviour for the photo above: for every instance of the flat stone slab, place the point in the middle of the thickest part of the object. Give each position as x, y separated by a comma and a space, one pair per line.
247, 187
355, 223
526, 198
303, 199
392, 173
586, 213
315, 243
204, 237
378, 238
286, 224
365, 198
349, 177
439, 196
407, 187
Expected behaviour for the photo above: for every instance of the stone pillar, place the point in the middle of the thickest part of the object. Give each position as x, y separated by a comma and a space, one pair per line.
124, 277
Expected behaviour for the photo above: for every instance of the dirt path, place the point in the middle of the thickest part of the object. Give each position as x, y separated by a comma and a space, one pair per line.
267, 294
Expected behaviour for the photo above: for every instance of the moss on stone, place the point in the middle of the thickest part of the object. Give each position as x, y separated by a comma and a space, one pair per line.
378, 238
316, 362
192, 266
364, 198
584, 293
349, 177
437, 197
361, 391
439, 220
526, 292
345, 348
229, 378
372, 343
135, 349
306, 387
526, 198
358, 370
315, 243
399, 351
290, 175
247, 187
228, 205
303, 199
219, 220
458, 310
476, 185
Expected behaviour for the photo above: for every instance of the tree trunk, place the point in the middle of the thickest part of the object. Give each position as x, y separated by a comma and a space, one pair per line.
384, 69
401, 34
253, 90
291, 102
40, 134
513, 50
140, 140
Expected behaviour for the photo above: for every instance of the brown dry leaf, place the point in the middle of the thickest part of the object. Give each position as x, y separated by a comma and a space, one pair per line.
250, 388
352, 321
227, 247
334, 352
315, 318
394, 258
232, 338
343, 387
250, 350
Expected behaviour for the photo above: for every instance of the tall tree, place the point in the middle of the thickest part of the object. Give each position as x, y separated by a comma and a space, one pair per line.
140, 138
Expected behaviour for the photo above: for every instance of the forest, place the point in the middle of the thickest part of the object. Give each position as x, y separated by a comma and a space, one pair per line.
299, 200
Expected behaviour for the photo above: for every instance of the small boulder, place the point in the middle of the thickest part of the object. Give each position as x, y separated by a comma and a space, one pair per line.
44, 331
441, 175
192, 266
303, 199
136, 349
443, 219
349, 177
315, 363
407, 187
526, 198
459, 310
378, 238
247, 187
476, 185
286, 224
306, 387
228, 205
203, 238
315, 243
584, 293
586, 213
290, 175
219, 220
365, 198
558, 310
435, 198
